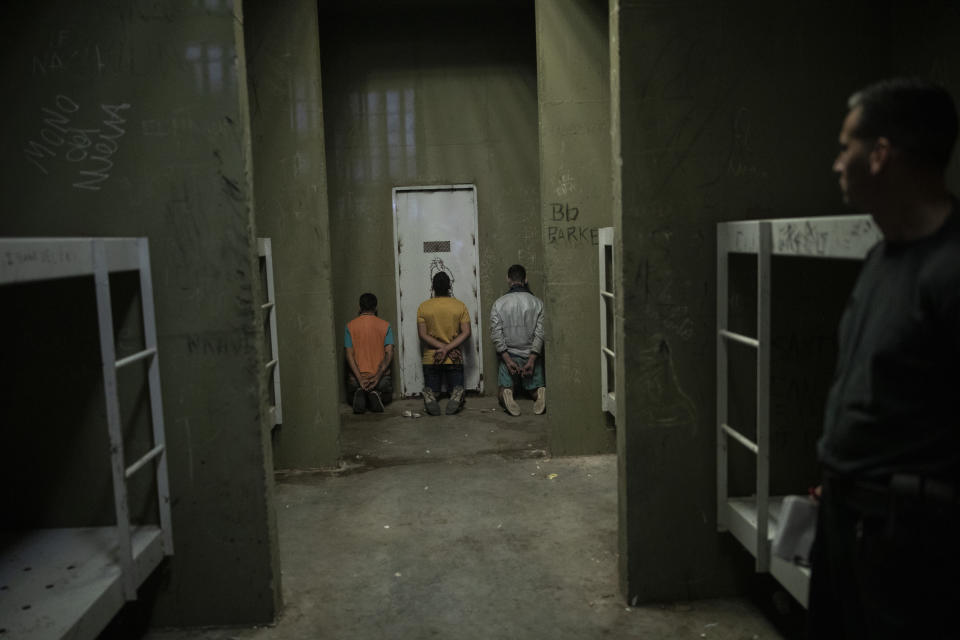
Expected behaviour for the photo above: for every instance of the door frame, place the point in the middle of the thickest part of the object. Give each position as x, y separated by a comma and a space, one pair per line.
477, 329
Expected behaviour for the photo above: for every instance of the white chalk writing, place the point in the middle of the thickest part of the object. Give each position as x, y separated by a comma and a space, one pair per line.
90, 149
105, 148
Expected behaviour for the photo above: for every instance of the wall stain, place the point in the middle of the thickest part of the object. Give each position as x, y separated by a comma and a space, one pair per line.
665, 404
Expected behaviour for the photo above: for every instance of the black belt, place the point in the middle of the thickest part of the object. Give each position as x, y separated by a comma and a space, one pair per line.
877, 498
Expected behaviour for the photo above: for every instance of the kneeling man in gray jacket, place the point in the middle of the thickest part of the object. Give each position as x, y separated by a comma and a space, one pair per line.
516, 327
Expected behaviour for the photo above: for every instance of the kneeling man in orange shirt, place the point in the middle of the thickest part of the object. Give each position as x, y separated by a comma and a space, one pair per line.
368, 342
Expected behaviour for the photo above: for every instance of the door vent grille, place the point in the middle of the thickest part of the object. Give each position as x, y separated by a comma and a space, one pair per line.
436, 246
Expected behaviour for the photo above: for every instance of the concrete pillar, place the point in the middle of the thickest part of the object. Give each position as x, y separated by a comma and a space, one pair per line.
290, 172
575, 192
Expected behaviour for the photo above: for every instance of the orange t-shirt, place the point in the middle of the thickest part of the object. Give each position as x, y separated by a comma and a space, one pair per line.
368, 335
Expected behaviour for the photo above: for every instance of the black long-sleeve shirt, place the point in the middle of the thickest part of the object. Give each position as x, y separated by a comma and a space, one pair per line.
894, 406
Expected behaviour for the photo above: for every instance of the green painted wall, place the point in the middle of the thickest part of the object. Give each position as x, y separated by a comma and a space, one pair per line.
573, 71
158, 91
290, 176
463, 83
727, 111
924, 42
709, 132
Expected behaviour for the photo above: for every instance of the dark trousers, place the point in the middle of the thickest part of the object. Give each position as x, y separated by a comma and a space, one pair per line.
884, 565
384, 388
436, 374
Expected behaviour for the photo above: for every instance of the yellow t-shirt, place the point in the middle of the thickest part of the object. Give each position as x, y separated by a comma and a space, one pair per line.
443, 316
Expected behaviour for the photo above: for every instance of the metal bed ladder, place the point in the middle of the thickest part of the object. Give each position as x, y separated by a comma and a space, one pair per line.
269, 308
608, 399
110, 367
760, 448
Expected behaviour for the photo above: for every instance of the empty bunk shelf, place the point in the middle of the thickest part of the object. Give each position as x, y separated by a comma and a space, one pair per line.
741, 520
69, 582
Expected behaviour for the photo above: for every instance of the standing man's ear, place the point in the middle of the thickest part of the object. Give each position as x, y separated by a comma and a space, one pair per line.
880, 155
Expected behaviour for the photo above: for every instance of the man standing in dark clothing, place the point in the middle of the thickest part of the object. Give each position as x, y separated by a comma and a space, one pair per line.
886, 561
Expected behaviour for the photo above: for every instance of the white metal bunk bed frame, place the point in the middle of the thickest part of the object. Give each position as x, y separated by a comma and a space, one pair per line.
94, 569
608, 356
265, 251
753, 520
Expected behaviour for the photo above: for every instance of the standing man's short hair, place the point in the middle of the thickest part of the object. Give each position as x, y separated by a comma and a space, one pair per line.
516, 273
913, 114
368, 302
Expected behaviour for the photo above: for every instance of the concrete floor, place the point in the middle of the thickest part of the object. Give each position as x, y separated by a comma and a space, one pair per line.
461, 527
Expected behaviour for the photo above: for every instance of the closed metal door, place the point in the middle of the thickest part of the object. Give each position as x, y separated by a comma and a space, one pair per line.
435, 229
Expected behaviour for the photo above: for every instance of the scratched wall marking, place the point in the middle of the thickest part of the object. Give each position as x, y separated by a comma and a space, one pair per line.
69, 52
804, 239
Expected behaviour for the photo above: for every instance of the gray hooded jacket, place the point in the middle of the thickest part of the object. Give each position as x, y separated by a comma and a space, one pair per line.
516, 323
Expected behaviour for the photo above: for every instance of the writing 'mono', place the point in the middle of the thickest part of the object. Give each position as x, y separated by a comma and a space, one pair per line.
90, 148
